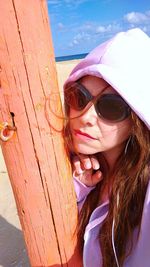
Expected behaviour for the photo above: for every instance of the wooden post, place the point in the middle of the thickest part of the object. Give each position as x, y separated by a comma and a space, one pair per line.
35, 157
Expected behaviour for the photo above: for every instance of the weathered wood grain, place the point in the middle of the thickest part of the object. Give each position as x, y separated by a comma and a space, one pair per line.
35, 156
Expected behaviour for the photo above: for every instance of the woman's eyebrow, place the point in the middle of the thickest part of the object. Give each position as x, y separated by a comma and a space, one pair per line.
104, 89
110, 92
108, 89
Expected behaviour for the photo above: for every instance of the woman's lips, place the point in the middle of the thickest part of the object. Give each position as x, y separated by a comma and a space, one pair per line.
83, 135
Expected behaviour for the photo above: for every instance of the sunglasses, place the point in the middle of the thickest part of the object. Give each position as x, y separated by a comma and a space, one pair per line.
110, 107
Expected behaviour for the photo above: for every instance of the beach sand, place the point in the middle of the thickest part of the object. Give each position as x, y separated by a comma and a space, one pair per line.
63, 70
12, 247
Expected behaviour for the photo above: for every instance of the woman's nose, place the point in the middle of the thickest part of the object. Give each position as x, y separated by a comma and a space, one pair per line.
89, 116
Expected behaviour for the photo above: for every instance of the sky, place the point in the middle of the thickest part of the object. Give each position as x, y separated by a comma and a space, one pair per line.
78, 26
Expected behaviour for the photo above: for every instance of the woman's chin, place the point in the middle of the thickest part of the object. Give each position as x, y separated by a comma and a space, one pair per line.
82, 149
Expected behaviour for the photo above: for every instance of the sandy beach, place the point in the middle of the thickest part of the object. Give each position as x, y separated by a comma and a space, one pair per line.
63, 70
12, 247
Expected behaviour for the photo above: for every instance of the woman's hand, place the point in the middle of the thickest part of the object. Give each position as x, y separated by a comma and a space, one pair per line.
87, 169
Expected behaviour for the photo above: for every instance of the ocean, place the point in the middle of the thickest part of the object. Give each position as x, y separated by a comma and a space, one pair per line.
70, 57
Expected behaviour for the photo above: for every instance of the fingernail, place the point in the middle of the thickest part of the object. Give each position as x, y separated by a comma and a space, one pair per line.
87, 165
80, 171
96, 167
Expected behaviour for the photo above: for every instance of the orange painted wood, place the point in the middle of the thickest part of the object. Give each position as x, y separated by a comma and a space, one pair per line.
35, 157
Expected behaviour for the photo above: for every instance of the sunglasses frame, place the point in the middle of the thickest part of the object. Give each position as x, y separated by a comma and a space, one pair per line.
95, 99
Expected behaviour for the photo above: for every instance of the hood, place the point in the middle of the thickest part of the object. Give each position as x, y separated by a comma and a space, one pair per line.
124, 62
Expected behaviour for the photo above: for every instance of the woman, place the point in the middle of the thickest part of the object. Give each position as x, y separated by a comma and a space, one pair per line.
107, 134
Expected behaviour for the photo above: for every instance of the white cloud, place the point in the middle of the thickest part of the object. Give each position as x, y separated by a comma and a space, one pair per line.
87, 26
110, 28
68, 3
79, 38
147, 13
75, 41
137, 17
60, 25
91, 32
84, 36
95, 28
75, 2
53, 2
103, 29
145, 29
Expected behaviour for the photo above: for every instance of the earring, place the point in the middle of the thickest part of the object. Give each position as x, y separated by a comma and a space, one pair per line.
127, 144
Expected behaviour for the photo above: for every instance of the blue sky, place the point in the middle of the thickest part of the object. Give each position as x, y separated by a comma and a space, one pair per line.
80, 25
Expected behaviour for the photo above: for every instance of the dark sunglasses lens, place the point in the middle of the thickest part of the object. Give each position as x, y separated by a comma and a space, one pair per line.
76, 98
112, 107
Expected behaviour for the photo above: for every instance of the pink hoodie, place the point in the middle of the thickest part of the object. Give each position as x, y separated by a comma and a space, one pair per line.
124, 62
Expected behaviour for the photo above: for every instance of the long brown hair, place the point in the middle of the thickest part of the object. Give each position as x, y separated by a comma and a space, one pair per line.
131, 179
131, 176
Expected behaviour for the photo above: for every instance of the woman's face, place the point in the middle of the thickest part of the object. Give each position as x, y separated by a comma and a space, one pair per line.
103, 136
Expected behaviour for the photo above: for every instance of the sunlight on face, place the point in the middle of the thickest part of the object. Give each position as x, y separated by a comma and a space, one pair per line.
92, 134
